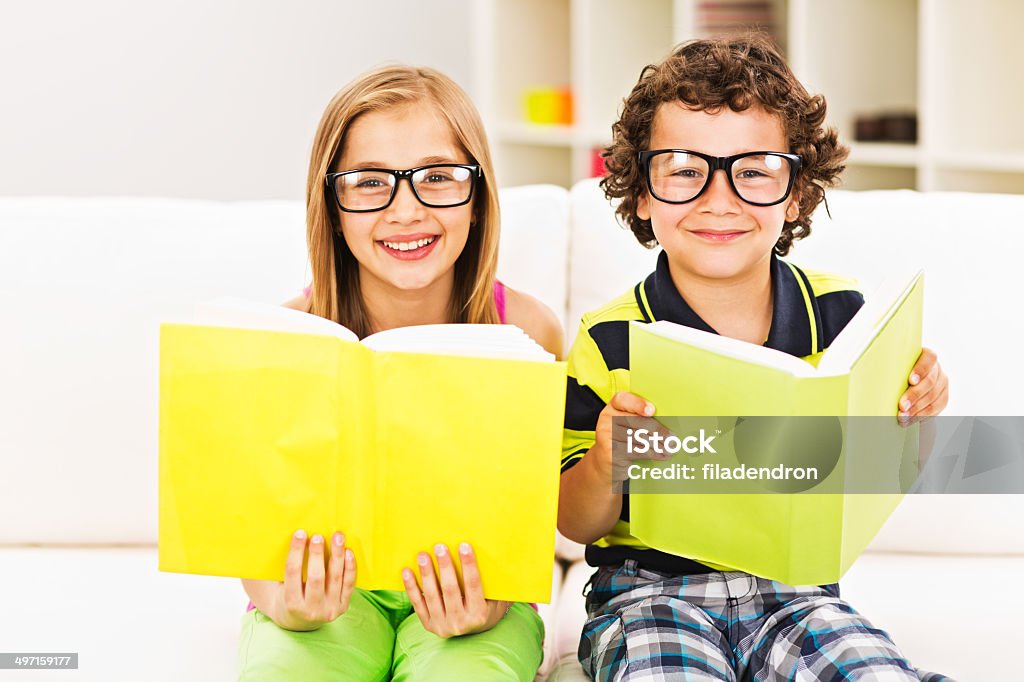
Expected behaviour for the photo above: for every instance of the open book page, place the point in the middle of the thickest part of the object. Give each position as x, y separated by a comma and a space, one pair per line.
251, 423
869, 321
242, 314
467, 451
723, 345
475, 340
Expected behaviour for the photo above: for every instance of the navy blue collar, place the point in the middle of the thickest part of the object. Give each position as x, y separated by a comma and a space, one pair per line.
796, 322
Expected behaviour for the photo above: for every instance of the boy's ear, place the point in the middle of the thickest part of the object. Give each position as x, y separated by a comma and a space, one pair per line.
643, 206
793, 208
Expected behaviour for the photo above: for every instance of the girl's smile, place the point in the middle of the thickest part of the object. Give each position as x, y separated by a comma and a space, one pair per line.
409, 246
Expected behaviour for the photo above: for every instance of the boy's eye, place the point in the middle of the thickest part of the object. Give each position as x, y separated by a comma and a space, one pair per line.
750, 174
688, 173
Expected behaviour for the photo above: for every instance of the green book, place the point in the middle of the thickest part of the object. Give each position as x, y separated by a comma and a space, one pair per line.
807, 537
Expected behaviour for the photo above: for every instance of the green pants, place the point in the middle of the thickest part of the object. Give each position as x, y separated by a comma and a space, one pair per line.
380, 638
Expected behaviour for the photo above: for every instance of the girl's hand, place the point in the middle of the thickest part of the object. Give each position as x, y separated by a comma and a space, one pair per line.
325, 595
446, 609
928, 394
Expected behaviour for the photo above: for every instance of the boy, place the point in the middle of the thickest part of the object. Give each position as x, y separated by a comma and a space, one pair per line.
734, 106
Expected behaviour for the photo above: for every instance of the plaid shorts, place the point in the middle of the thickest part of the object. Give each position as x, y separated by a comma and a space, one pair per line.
648, 625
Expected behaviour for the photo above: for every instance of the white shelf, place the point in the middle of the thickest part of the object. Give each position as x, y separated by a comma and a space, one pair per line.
535, 133
542, 134
1005, 162
884, 154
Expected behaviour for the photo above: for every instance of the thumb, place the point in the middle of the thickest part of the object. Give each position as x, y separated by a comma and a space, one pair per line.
624, 401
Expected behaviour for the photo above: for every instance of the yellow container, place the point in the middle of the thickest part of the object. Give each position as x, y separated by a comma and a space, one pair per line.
548, 105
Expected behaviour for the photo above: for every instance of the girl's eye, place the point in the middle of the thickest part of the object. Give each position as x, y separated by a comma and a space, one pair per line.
438, 177
370, 183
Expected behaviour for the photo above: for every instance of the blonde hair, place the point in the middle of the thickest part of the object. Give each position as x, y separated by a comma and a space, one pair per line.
335, 292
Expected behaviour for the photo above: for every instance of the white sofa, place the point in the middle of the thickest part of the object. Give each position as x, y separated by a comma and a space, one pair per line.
83, 283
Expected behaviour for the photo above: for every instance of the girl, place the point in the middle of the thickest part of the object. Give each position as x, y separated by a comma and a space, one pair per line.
402, 226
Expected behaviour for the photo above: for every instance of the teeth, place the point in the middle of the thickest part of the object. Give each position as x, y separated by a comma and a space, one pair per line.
409, 246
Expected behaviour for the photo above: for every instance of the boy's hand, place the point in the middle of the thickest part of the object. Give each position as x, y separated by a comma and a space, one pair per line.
446, 609
324, 596
638, 413
928, 394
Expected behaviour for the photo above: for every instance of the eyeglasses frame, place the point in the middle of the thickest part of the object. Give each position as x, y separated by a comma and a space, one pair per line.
399, 175
715, 163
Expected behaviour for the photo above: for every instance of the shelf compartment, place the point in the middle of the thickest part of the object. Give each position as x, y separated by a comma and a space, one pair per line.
865, 64
868, 176
528, 164
985, 181
884, 154
532, 43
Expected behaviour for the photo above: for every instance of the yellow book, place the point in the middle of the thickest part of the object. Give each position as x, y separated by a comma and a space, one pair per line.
272, 420
810, 537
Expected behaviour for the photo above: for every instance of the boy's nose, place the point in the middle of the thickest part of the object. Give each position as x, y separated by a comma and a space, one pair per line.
720, 195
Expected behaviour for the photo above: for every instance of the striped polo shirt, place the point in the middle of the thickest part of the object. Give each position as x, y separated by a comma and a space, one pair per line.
809, 310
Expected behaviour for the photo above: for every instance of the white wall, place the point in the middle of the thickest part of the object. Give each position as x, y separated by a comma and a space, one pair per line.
210, 99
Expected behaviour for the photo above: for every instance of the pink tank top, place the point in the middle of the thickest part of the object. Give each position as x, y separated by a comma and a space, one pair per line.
499, 302
499, 298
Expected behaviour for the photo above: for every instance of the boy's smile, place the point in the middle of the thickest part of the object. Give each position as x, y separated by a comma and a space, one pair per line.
713, 235
717, 238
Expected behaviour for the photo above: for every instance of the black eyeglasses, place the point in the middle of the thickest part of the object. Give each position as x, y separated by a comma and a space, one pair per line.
439, 185
678, 176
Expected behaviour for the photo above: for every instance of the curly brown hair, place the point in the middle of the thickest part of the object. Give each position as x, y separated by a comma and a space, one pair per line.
706, 75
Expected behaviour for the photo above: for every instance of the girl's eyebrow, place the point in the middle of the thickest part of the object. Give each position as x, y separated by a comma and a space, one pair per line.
425, 161
438, 159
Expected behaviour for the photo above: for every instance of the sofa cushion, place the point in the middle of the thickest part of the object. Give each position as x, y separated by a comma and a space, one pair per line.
605, 258
85, 284
956, 615
128, 621
125, 620
969, 246
535, 243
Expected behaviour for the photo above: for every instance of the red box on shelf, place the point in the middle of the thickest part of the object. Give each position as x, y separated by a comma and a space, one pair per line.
597, 167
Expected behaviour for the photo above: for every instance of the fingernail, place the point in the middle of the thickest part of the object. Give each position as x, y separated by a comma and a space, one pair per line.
317, 539
406, 574
300, 535
350, 555
914, 379
423, 559
339, 539
440, 550
649, 410
905, 404
465, 548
